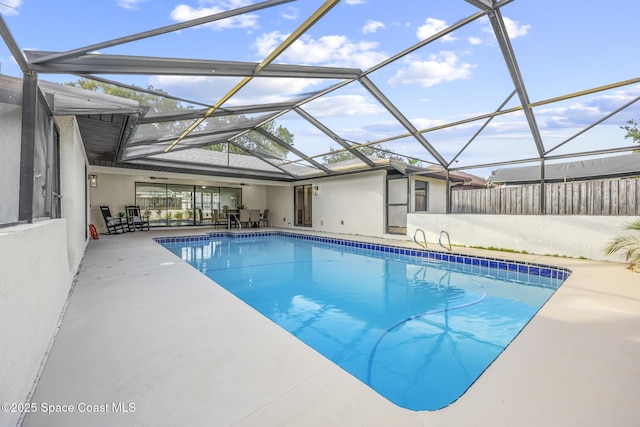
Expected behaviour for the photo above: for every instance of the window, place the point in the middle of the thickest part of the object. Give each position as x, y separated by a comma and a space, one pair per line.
303, 205
421, 196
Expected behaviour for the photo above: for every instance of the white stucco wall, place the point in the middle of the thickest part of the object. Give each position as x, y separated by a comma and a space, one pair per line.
39, 262
254, 196
349, 204
10, 122
34, 285
565, 235
280, 205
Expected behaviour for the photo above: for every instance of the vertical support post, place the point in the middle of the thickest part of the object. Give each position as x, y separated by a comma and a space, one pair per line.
27, 145
542, 188
448, 201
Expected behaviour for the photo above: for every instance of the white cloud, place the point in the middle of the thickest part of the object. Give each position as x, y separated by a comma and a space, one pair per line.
10, 7
442, 67
582, 114
129, 4
372, 27
184, 12
422, 123
514, 29
586, 112
352, 2
431, 27
211, 89
290, 13
327, 50
343, 105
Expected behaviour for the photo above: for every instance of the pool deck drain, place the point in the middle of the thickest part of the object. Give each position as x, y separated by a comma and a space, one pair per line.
184, 352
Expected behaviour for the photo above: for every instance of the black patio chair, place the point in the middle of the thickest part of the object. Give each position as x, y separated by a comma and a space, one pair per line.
114, 224
135, 221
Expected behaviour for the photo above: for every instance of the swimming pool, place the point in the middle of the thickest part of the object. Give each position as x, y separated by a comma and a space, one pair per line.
419, 327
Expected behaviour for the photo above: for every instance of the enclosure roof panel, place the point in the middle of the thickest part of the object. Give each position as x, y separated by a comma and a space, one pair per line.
458, 84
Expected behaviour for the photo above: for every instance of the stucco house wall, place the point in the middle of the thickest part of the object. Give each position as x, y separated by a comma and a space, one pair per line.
9, 168
349, 204
280, 205
40, 262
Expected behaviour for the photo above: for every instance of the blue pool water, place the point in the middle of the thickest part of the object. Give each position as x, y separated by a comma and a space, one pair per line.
415, 327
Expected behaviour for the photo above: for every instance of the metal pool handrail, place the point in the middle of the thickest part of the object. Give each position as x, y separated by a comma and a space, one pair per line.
424, 238
448, 247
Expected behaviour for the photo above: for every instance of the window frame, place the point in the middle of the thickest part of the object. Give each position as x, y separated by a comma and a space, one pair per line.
423, 206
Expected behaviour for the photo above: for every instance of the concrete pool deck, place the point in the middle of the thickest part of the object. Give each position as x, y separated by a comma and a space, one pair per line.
147, 340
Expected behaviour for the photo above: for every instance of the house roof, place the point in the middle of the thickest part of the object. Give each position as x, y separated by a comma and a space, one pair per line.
609, 167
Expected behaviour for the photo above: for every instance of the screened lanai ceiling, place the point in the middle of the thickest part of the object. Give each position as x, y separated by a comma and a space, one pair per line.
287, 90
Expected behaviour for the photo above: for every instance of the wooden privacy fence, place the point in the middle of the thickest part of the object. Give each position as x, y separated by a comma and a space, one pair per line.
595, 197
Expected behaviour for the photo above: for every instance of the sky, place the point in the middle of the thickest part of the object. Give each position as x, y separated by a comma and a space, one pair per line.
562, 48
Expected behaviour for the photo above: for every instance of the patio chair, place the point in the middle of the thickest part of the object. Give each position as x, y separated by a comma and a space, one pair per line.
135, 221
204, 216
244, 217
265, 217
219, 219
254, 218
114, 224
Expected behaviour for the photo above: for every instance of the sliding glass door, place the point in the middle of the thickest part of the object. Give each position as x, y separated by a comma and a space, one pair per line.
152, 199
230, 198
182, 205
207, 199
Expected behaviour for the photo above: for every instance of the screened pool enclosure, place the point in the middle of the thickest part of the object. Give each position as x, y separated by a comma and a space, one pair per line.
282, 90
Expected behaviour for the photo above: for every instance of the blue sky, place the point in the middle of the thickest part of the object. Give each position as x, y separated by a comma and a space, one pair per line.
561, 47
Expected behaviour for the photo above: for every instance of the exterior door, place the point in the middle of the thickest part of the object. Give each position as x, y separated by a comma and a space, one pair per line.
207, 199
397, 204
303, 205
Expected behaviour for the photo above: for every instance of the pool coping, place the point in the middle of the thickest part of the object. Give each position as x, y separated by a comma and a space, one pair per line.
522, 267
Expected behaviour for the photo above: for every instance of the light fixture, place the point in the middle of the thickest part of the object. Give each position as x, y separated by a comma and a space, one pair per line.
93, 181
316, 190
